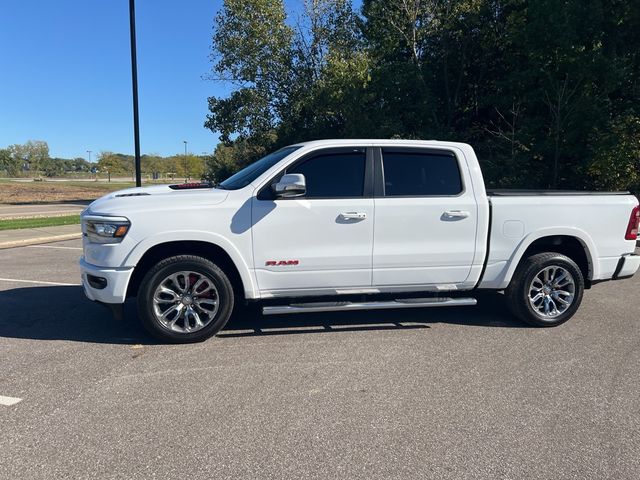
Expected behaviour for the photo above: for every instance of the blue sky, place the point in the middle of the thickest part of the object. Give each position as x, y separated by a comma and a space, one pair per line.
66, 76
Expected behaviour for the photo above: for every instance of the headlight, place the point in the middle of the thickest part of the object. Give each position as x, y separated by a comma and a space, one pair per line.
100, 229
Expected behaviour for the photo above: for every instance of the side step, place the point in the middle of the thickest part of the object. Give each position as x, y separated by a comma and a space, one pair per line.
344, 306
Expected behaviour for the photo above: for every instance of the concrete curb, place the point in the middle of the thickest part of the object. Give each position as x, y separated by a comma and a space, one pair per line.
38, 240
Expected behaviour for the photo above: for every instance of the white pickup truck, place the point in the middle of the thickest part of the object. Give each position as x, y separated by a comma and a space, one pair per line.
347, 225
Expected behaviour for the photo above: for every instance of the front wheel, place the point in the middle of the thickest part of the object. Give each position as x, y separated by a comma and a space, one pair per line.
546, 289
185, 299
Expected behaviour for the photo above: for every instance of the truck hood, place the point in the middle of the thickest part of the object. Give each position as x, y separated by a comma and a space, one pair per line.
157, 198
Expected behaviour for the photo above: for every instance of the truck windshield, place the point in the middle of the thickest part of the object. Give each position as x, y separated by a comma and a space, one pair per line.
247, 175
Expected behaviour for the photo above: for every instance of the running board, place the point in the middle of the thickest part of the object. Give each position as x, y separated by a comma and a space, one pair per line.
345, 306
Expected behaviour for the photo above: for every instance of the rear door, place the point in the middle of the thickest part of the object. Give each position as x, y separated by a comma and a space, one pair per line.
323, 240
425, 218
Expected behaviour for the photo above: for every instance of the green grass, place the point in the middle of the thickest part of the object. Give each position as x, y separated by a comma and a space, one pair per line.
39, 222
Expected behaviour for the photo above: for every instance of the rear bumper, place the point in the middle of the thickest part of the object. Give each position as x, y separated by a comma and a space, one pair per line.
627, 266
112, 287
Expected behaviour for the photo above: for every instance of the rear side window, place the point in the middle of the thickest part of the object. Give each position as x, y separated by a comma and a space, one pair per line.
416, 173
336, 175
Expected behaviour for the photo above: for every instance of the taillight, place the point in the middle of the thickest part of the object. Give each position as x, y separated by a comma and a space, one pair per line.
634, 223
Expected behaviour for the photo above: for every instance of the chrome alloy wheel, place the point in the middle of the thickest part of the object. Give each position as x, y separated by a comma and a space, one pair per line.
185, 302
552, 291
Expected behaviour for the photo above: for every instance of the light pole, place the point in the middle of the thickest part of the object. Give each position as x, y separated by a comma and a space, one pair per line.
186, 172
89, 152
134, 83
204, 165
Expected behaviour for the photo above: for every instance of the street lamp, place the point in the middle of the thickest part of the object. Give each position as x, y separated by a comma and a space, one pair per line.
186, 172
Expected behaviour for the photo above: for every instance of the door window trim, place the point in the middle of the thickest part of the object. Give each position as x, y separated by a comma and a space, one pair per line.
379, 186
266, 194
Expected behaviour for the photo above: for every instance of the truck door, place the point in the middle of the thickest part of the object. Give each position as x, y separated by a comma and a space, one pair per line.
323, 240
425, 218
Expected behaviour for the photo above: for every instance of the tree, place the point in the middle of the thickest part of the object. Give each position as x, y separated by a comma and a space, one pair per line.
616, 163
291, 81
112, 163
189, 166
79, 164
8, 163
53, 167
30, 155
223, 163
546, 91
252, 51
331, 71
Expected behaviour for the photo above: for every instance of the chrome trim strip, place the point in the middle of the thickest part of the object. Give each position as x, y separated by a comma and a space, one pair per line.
342, 306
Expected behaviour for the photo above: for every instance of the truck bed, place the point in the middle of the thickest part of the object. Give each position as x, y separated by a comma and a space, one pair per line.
598, 220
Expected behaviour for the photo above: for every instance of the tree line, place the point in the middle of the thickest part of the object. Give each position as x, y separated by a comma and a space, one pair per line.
33, 156
32, 159
175, 166
547, 91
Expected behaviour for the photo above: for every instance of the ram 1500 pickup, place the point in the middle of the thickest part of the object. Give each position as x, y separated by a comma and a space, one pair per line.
347, 225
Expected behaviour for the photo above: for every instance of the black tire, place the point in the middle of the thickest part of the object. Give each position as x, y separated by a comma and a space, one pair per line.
518, 292
199, 266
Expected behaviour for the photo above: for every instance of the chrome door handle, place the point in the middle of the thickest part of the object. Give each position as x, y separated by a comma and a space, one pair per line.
353, 215
456, 214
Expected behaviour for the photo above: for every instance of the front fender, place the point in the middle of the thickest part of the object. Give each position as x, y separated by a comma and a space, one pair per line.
248, 280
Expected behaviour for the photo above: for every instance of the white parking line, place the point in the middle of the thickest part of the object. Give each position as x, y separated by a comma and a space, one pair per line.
8, 401
39, 283
52, 246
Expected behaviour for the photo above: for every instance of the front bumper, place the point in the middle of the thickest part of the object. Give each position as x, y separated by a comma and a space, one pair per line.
117, 281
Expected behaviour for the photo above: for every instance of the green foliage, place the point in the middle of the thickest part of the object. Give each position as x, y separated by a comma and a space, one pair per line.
29, 157
616, 163
8, 166
222, 164
188, 167
32, 159
52, 168
228, 159
546, 91
18, 159
177, 166
290, 80
253, 51
115, 164
57, 167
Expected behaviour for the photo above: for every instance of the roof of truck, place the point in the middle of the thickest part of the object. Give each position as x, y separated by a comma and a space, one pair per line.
377, 141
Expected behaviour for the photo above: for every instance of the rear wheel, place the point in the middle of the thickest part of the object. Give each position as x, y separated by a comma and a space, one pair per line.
185, 299
546, 289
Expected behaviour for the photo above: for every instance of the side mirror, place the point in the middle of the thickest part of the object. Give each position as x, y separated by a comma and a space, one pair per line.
290, 185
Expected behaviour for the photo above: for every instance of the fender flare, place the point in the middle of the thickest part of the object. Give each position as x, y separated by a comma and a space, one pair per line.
583, 237
248, 280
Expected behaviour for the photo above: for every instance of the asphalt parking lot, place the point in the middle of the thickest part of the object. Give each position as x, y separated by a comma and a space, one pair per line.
431, 393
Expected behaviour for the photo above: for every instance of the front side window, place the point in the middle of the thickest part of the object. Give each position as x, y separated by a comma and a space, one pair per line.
333, 175
416, 173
